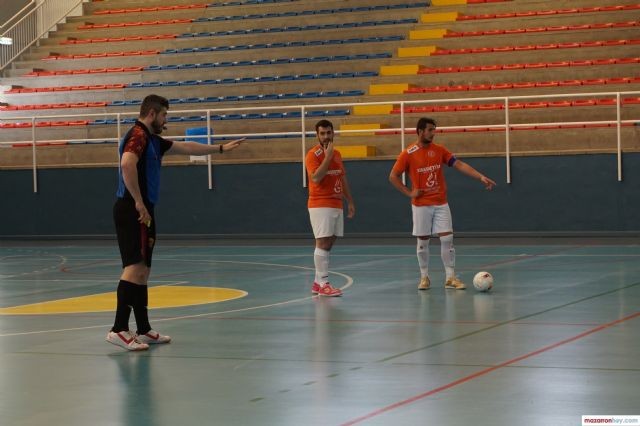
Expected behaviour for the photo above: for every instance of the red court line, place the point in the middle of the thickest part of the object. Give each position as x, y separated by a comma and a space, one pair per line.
486, 371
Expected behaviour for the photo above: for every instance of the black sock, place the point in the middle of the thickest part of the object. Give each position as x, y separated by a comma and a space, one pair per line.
140, 309
125, 297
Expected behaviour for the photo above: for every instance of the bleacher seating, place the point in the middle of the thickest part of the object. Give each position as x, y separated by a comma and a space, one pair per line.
256, 53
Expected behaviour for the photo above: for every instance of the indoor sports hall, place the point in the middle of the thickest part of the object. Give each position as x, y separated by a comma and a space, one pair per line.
542, 97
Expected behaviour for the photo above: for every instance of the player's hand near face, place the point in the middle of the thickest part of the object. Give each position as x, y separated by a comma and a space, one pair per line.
328, 150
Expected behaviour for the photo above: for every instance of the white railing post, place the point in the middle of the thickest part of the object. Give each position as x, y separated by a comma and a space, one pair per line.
619, 135
303, 148
507, 140
402, 138
209, 168
33, 154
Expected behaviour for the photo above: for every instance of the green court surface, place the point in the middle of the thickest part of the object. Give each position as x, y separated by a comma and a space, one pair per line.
557, 338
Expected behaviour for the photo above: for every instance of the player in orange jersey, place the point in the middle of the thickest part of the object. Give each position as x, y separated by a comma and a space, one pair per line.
423, 160
328, 186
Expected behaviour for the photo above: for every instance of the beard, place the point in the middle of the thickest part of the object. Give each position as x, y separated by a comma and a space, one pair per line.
157, 127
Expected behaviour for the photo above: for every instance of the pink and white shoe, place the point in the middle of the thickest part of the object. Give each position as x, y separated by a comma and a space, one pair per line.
315, 288
126, 340
152, 337
328, 290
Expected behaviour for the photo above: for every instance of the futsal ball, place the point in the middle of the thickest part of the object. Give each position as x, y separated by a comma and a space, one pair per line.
483, 281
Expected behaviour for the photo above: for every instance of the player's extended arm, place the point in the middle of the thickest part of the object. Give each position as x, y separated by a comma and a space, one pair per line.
195, 148
463, 167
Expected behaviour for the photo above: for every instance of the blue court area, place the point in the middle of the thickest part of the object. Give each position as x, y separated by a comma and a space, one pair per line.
557, 338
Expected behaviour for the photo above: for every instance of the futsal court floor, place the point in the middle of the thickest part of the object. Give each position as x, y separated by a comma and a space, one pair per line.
556, 339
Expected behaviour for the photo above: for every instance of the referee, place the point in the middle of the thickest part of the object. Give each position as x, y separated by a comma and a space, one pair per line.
141, 152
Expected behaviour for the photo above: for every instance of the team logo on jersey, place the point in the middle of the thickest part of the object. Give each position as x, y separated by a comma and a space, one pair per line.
432, 154
413, 149
318, 152
337, 188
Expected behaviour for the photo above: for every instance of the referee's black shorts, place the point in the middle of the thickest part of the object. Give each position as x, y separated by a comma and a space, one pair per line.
135, 239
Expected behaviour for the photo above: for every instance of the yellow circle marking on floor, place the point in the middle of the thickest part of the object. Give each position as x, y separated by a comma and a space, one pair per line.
159, 297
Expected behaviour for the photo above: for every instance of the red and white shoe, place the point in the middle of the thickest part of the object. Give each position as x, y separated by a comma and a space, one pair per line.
315, 288
126, 340
328, 290
152, 337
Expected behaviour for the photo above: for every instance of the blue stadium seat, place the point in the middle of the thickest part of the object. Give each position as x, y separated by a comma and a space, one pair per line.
251, 116
231, 117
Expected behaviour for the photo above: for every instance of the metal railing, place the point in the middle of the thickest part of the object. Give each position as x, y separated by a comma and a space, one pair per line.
506, 125
33, 26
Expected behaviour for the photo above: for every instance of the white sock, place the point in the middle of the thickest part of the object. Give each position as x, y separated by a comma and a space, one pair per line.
321, 262
422, 251
448, 254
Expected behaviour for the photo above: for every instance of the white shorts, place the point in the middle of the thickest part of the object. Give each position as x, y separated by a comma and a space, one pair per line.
431, 220
326, 222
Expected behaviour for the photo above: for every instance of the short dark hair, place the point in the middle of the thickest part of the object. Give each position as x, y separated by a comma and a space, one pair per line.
153, 102
323, 123
422, 123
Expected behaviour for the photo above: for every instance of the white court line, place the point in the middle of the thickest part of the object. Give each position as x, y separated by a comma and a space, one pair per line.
231, 311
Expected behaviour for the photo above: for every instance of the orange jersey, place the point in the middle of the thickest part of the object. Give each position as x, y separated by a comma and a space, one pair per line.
328, 192
424, 166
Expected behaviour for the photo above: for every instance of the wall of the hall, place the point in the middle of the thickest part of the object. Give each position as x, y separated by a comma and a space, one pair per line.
553, 194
